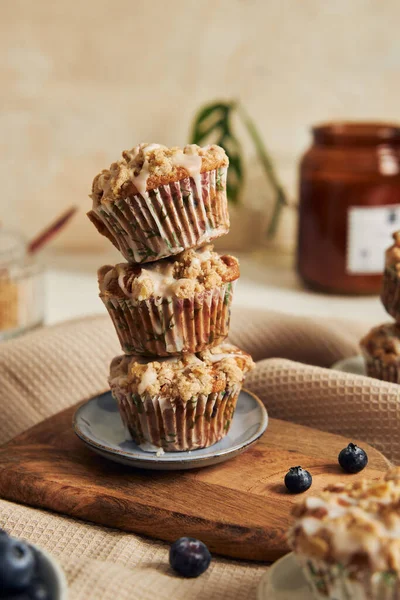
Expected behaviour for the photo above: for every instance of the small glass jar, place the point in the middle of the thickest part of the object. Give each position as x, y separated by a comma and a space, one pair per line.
21, 288
349, 206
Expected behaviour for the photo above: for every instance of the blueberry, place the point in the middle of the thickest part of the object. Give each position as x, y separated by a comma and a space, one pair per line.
297, 480
17, 564
353, 459
189, 557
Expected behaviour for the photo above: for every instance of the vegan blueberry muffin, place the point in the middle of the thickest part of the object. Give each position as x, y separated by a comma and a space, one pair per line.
390, 294
381, 351
347, 540
179, 304
157, 201
181, 402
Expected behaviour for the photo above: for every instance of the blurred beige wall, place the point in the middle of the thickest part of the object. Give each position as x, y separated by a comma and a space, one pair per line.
80, 81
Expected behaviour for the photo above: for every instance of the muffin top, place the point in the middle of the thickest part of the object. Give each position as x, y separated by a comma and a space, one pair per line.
354, 525
148, 166
183, 377
392, 255
383, 343
190, 272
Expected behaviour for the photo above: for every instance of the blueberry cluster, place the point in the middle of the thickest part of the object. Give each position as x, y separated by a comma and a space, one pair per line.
352, 459
20, 576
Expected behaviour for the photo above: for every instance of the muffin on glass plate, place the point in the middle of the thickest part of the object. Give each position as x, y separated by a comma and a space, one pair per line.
381, 351
347, 540
182, 402
390, 293
179, 304
157, 201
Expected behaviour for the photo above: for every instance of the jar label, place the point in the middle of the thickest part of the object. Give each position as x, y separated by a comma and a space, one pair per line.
369, 234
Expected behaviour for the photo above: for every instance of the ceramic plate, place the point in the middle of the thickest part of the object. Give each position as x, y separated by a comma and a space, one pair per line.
99, 425
284, 581
354, 364
51, 573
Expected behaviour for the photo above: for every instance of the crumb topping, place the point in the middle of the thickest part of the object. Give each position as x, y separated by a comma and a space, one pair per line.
383, 343
392, 255
186, 376
355, 525
147, 166
192, 271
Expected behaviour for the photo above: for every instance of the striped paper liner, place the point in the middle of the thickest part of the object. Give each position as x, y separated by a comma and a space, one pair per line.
173, 424
379, 370
171, 325
168, 219
335, 582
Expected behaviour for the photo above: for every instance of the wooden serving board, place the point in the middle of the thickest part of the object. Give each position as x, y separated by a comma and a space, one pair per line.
239, 508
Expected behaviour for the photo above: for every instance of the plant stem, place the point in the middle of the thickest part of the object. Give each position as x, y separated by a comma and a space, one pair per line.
266, 162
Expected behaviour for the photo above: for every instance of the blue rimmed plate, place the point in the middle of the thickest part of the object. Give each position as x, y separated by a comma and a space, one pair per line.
284, 581
99, 425
354, 365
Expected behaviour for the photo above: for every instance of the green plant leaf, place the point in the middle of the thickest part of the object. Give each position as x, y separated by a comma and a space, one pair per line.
213, 123
207, 120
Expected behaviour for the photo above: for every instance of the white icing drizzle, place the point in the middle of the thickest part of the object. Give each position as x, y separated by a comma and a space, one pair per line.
189, 160
140, 180
192, 162
148, 447
218, 357
149, 378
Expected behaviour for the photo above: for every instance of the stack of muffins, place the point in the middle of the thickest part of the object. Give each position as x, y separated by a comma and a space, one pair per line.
381, 346
178, 381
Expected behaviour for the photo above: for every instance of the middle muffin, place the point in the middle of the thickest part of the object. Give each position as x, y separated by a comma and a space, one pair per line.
176, 305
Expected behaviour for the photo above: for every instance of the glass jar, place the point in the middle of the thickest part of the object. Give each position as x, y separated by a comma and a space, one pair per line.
21, 287
349, 206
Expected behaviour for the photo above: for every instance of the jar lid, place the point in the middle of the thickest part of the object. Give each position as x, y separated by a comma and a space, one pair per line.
12, 247
357, 133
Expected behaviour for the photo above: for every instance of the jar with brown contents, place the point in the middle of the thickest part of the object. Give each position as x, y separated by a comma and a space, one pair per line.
349, 205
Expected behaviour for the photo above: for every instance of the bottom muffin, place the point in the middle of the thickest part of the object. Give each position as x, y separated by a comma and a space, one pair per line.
181, 402
381, 351
347, 540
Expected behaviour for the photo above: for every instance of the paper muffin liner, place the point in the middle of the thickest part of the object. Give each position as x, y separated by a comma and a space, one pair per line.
334, 582
379, 370
171, 325
175, 425
168, 219
390, 294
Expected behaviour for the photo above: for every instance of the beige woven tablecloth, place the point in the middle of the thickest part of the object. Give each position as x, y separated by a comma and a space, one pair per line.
51, 369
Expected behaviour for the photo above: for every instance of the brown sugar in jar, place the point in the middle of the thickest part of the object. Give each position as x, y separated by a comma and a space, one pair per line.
349, 206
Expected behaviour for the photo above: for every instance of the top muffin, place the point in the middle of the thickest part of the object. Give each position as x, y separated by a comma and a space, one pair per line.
157, 201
